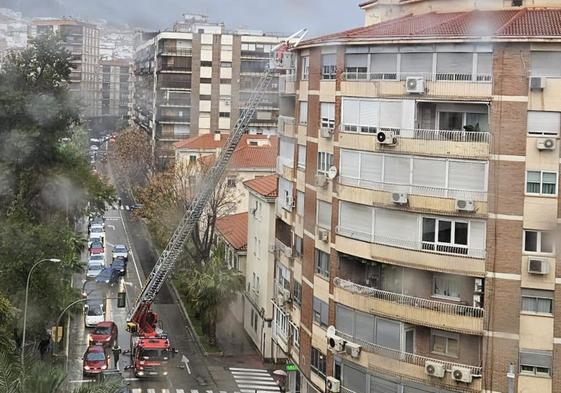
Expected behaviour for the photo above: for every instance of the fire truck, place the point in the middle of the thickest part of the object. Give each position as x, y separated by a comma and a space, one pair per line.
150, 346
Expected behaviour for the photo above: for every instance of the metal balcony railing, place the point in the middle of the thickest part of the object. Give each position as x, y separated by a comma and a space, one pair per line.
407, 357
438, 248
175, 52
423, 133
412, 301
430, 77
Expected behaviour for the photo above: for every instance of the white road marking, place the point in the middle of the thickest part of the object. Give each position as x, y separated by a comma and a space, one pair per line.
179, 391
130, 248
112, 227
165, 390
238, 374
260, 387
186, 362
132, 379
151, 390
194, 391
81, 381
256, 370
136, 390
243, 381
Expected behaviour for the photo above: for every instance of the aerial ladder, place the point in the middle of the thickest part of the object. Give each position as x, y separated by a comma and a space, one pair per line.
147, 338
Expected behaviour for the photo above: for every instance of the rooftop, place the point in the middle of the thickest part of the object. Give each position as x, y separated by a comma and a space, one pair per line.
472, 25
265, 185
233, 229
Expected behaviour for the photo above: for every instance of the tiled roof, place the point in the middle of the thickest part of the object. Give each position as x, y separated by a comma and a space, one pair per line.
525, 22
233, 229
265, 185
205, 141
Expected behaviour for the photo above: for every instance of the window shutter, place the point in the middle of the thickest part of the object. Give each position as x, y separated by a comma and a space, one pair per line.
286, 152
388, 333
477, 232
356, 60
484, 63
350, 111
396, 169
465, 175
383, 63
349, 167
344, 319
454, 63
285, 188
545, 63
324, 214
324, 313
364, 327
390, 114
536, 358
370, 169
430, 173
539, 121
368, 113
300, 203
303, 112
328, 110
302, 155
353, 379
356, 220
395, 226
416, 63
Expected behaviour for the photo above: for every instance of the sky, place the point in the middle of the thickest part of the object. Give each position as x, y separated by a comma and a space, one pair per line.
287, 16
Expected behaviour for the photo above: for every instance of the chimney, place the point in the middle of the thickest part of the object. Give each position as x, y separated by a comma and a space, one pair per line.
217, 136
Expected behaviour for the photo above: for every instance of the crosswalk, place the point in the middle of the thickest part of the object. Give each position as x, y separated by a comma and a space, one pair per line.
157, 390
254, 380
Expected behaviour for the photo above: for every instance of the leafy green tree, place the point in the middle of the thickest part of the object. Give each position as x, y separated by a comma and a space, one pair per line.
209, 287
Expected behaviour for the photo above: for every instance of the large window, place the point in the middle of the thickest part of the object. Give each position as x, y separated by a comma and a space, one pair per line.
305, 67
321, 312
544, 123
325, 161
303, 115
301, 156
383, 66
300, 203
454, 66
318, 362
356, 66
286, 152
545, 63
445, 343
367, 115
535, 362
446, 286
445, 235
416, 63
328, 66
539, 241
537, 301
297, 293
322, 263
541, 183
324, 214
327, 110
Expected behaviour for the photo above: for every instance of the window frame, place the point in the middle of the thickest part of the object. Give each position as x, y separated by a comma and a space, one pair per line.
329, 71
329, 121
448, 278
318, 362
537, 299
305, 68
300, 104
297, 293
321, 266
301, 164
447, 336
541, 183
324, 162
448, 247
539, 242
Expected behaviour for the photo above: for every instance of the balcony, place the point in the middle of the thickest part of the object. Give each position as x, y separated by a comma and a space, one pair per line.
174, 69
461, 144
175, 103
426, 312
432, 85
175, 52
412, 366
286, 126
287, 84
169, 119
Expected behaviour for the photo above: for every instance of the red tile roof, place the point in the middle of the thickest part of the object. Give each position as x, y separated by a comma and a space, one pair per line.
265, 185
233, 229
203, 142
525, 22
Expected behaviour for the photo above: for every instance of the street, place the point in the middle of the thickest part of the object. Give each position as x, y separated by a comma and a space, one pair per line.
190, 371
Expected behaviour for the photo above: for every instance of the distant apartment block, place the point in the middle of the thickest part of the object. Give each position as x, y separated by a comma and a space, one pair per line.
82, 40
418, 202
196, 80
116, 87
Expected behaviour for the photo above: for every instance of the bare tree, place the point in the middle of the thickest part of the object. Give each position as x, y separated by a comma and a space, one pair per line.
132, 153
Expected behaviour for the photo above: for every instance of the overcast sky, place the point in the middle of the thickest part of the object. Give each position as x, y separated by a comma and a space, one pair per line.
320, 16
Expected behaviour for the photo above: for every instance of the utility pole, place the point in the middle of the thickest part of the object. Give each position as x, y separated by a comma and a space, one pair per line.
510, 376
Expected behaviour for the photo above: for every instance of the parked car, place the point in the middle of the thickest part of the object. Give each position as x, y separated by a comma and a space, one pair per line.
94, 148
120, 265
97, 258
97, 233
137, 206
94, 312
120, 250
95, 360
96, 247
96, 219
94, 268
105, 333
108, 276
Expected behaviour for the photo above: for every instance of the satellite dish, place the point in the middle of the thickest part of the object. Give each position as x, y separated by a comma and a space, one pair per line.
332, 172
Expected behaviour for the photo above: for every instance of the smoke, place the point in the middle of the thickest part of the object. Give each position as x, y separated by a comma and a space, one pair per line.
60, 193
43, 108
18, 146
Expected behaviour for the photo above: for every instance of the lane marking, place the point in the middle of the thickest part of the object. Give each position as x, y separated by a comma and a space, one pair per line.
82, 381
243, 381
257, 370
260, 388
165, 390
136, 390
130, 247
179, 391
194, 391
151, 390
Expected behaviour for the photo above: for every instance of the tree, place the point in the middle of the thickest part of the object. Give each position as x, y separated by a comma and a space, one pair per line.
209, 287
132, 152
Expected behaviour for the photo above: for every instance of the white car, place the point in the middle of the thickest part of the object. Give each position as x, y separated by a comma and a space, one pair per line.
94, 313
120, 250
94, 267
96, 234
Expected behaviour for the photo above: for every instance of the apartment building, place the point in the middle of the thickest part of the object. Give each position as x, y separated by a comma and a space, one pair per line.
82, 40
116, 87
418, 204
196, 80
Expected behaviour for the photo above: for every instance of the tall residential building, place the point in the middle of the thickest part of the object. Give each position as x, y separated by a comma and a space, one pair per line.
116, 87
195, 80
82, 40
419, 203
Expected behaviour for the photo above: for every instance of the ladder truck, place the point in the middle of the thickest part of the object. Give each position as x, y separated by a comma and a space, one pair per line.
150, 346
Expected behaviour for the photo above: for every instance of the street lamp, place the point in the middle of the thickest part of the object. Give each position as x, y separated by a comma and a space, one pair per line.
26, 296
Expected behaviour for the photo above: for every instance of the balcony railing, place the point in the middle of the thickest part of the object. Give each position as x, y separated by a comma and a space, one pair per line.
402, 76
173, 119
437, 248
175, 52
407, 357
412, 301
424, 134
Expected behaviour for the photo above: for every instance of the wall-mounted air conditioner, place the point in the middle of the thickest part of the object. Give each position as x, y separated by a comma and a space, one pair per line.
538, 266
415, 84
399, 198
464, 205
546, 144
434, 369
537, 83
461, 374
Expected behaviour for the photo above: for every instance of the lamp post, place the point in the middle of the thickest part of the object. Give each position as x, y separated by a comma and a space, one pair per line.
25, 307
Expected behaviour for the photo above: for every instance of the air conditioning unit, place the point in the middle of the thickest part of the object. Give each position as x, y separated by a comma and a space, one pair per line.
538, 266
283, 296
399, 198
288, 252
546, 144
465, 205
415, 84
334, 342
386, 137
352, 349
461, 374
326, 132
434, 369
321, 180
323, 235
537, 83
333, 385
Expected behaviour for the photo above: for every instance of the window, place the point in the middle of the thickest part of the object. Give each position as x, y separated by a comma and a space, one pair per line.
445, 343
301, 156
297, 293
231, 182
206, 63
322, 263
383, 65
226, 64
538, 241
318, 362
321, 312
325, 161
454, 66
281, 322
328, 66
415, 64
445, 235
354, 379
300, 203
303, 115
327, 115
298, 245
324, 214
305, 67
295, 336
535, 362
224, 114
541, 183
537, 301
544, 123
356, 66
446, 285
286, 152
545, 63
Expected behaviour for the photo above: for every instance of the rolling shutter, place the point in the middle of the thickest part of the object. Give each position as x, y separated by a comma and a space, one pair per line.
416, 63
454, 63
396, 169
539, 121
350, 111
344, 320
429, 173
391, 227
370, 169
466, 175
545, 63
368, 113
355, 220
